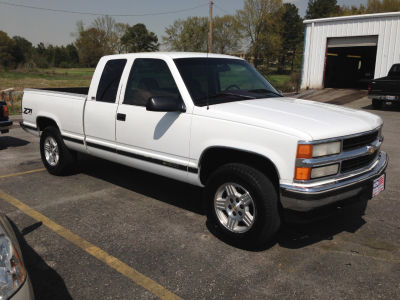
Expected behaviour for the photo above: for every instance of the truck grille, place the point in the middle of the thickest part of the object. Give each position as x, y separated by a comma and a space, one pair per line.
359, 141
357, 163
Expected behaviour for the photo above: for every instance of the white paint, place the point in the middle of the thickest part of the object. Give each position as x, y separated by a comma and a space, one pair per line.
386, 26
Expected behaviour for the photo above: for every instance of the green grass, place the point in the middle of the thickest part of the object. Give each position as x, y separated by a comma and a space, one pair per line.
40, 78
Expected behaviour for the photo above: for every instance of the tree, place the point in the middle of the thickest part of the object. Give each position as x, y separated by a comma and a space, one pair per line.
260, 22
292, 33
107, 25
187, 35
381, 6
7, 45
138, 39
322, 9
22, 50
226, 35
90, 46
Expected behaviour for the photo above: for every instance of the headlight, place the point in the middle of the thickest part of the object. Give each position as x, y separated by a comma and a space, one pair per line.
326, 149
12, 272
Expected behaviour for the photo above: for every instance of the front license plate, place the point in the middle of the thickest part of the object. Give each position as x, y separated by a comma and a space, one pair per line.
378, 185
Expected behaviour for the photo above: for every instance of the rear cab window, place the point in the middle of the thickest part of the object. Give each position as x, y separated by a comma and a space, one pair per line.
109, 81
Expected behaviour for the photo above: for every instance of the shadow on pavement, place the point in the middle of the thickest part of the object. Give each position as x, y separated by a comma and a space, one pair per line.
386, 107
161, 188
10, 141
46, 282
189, 197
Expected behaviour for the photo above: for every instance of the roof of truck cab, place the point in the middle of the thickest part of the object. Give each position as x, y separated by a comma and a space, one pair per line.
172, 55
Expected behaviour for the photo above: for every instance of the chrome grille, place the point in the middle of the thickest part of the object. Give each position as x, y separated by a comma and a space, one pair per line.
357, 163
359, 141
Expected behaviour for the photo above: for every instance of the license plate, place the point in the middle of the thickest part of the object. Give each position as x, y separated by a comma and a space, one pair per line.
378, 185
391, 98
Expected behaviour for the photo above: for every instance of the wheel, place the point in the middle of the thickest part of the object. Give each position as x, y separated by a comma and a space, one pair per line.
242, 205
56, 157
377, 104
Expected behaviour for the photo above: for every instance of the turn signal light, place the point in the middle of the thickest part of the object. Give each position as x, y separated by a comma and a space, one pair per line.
304, 151
5, 111
302, 173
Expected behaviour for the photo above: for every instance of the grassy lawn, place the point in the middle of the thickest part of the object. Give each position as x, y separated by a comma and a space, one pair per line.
278, 81
40, 78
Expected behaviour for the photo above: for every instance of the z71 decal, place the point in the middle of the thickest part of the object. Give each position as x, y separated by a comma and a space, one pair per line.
27, 111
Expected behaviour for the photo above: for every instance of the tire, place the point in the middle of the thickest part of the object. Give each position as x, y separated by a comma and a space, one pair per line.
255, 223
377, 104
56, 157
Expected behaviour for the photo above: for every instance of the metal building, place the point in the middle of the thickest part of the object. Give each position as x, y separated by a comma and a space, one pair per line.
346, 52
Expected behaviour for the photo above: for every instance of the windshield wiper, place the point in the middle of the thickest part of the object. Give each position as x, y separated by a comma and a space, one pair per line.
222, 94
264, 91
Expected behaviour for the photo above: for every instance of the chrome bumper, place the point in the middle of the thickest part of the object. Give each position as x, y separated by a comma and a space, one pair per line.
5, 126
300, 198
384, 97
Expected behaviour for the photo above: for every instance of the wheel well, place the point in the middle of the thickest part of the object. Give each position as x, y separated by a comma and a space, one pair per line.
43, 122
213, 158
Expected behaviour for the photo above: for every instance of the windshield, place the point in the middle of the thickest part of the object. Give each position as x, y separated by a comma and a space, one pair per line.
221, 80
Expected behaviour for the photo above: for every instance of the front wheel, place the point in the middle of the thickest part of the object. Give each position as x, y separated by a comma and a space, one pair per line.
56, 157
243, 205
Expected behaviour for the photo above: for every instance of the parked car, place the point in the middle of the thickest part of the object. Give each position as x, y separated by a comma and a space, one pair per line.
5, 123
14, 279
215, 122
386, 89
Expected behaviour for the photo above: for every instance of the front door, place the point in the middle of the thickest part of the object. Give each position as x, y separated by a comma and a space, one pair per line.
154, 141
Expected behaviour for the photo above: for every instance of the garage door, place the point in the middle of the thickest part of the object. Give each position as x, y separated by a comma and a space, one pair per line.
350, 61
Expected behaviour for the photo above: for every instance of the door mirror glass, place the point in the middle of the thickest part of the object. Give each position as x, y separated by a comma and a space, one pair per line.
165, 104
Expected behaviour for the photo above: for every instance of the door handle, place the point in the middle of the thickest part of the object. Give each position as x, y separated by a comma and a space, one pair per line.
121, 117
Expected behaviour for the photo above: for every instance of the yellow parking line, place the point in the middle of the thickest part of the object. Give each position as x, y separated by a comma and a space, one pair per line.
22, 173
113, 262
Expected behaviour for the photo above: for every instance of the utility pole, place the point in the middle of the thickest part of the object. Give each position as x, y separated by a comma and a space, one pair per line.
210, 31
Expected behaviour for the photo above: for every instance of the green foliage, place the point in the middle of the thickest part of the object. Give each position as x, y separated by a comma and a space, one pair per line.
226, 34
138, 39
187, 35
322, 9
292, 34
260, 21
91, 47
381, 6
7, 46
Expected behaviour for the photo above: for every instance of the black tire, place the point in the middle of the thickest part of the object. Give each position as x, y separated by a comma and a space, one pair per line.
267, 219
377, 104
67, 158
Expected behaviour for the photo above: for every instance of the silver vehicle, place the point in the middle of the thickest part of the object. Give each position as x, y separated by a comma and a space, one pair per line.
14, 280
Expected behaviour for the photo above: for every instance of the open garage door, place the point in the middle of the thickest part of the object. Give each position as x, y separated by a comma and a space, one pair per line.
350, 62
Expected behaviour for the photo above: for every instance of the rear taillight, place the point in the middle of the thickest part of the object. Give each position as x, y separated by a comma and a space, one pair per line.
5, 111
369, 87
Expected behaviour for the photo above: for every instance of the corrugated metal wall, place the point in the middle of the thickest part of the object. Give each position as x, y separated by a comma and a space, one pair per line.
386, 26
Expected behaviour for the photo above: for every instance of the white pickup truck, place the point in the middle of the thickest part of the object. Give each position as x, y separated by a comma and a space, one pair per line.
215, 122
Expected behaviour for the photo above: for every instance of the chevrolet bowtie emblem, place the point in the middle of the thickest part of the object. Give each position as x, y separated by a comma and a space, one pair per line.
371, 149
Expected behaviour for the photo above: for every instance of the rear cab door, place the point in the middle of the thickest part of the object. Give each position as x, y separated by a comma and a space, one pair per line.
101, 106
154, 141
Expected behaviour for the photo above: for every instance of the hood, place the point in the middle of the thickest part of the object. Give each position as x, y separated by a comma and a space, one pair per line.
309, 120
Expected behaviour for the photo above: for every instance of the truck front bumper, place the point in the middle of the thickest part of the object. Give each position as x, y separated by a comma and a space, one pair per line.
5, 126
304, 199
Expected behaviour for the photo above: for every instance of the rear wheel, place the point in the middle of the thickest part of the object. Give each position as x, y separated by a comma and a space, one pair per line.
377, 104
243, 205
56, 157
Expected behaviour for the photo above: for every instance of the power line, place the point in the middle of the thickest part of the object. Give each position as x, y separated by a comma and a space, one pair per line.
98, 14
222, 9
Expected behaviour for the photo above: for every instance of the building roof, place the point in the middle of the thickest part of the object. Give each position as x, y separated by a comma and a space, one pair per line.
354, 17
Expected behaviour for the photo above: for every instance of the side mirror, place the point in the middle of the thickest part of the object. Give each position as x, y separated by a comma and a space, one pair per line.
165, 104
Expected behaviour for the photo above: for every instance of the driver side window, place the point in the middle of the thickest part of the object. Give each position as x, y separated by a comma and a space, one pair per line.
149, 78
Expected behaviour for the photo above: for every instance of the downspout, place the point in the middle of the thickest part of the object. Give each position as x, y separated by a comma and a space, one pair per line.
310, 56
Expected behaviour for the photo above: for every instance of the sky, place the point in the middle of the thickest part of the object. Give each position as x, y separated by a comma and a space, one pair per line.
57, 27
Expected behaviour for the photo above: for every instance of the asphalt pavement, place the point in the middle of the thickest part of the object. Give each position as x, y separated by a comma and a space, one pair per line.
146, 225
